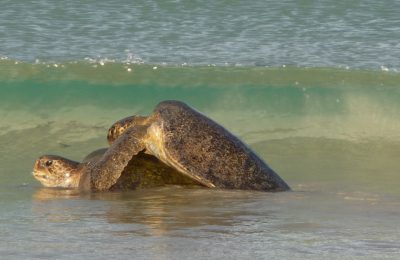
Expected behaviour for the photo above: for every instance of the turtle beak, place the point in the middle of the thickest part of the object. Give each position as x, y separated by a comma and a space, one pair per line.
36, 170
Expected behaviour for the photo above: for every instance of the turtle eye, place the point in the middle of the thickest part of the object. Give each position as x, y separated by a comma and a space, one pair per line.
48, 163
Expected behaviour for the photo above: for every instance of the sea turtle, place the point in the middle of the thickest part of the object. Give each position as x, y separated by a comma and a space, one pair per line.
185, 140
142, 171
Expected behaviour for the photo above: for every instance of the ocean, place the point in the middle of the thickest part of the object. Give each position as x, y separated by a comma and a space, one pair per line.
313, 87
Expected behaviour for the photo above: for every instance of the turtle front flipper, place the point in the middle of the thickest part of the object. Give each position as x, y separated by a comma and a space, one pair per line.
105, 172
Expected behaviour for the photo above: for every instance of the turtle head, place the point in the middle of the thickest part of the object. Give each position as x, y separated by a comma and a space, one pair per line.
119, 127
56, 171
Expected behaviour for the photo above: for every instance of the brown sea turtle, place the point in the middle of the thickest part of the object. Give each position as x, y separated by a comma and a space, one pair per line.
185, 140
142, 171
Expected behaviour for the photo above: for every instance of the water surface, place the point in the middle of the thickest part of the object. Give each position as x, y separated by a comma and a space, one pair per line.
313, 87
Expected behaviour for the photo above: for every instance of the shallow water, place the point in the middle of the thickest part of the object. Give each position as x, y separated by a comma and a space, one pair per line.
323, 113
179, 223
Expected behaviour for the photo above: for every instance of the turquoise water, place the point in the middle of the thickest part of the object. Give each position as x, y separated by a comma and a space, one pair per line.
313, 87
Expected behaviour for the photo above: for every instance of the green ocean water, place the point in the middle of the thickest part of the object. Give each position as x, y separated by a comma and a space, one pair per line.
74, 104
312, 86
